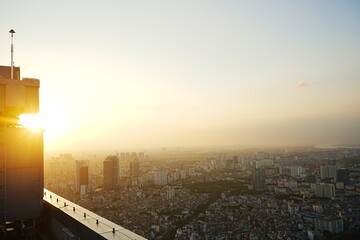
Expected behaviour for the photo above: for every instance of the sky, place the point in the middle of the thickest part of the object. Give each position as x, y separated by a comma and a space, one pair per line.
146, 74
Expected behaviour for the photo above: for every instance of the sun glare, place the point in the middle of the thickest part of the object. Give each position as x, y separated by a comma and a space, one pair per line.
51, 124
33, 121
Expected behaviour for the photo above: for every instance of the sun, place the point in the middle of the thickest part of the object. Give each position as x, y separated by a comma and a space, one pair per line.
33, 121
51, 124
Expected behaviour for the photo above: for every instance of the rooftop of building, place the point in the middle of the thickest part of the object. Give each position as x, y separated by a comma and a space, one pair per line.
98, 224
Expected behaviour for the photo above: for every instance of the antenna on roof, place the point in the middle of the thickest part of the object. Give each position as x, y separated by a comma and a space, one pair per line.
12, 53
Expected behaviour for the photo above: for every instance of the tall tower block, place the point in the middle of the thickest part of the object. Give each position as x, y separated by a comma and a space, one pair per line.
21, 151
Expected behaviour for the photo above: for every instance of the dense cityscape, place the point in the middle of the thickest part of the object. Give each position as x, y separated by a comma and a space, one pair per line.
180, 193
180, 120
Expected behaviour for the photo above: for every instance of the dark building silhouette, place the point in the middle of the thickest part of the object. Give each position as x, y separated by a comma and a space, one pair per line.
258, 179
310, 178
82, 174
343, 175
21, 153
111, 172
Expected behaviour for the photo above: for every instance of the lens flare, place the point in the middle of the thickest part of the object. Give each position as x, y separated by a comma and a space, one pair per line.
33, 121
52, 124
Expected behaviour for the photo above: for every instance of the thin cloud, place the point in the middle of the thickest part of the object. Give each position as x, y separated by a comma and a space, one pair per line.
303, 84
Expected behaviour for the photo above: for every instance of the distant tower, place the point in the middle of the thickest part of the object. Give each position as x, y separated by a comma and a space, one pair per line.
343, 175
141, 156
160, 178
122, 157
135, 168
133, 156
111, 172
258, 179
170, 192
328, 171
82, 175
21, 152
127, 157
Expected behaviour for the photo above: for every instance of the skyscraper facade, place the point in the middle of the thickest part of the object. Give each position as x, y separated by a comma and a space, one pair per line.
323, 190
141, 156
21, 151
82, 175
111, 172
160, 178
333, 225
135, 168
343, 175
328, 171
296, 171
258, 179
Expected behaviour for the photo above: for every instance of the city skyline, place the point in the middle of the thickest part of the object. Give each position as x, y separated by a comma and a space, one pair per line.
152, 74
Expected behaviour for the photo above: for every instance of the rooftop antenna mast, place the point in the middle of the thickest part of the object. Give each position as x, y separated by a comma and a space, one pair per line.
12, 52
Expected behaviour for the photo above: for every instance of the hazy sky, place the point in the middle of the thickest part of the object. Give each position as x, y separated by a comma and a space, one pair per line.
120, 74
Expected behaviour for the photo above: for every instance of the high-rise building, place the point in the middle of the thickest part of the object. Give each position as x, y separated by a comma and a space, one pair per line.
127, 157
229, 164
62, 165
141, 156
259, 179
55, 167
310, 178
260, 155
333, 225
82, 175
111, 172
133, 156
122, 157
343, 175
329, 190
296, 171
135, 168
21, 151
95, 170
323, 190
170, 192
328, 171
160, 178
182, 174
264, 163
